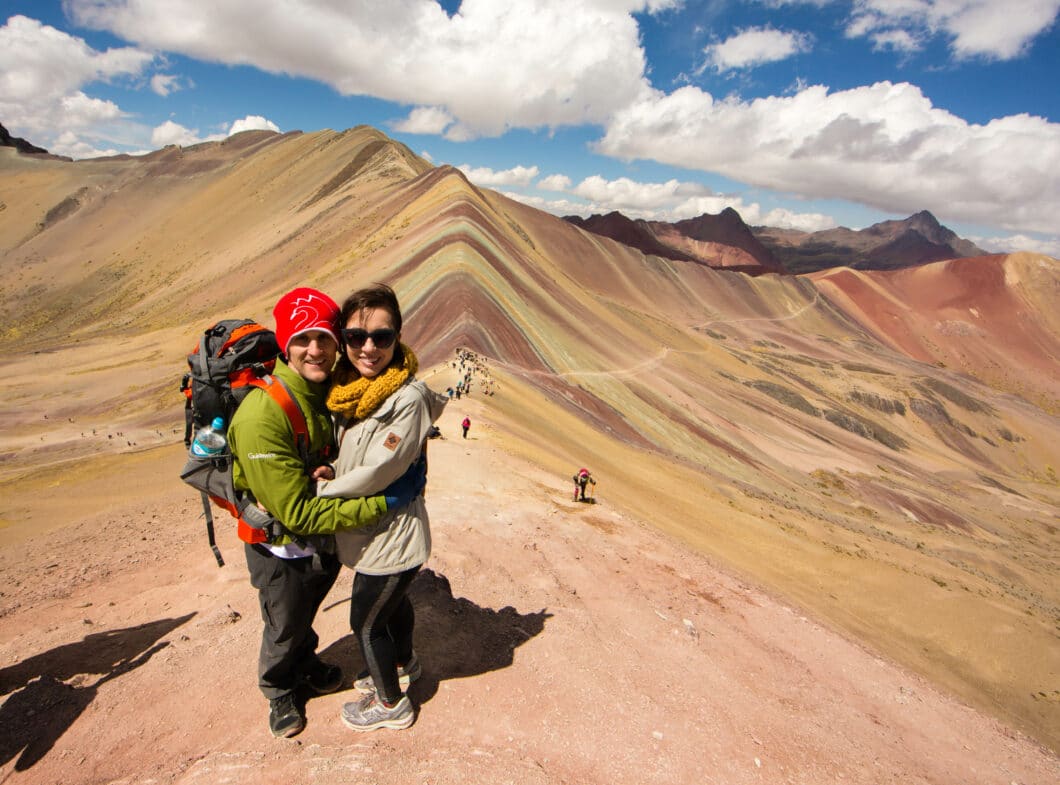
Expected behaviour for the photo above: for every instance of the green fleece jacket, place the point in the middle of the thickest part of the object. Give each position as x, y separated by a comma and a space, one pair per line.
268, 465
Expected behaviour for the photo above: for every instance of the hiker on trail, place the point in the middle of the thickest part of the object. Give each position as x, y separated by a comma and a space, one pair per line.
581, 480
294, 572
383, 416
465, 425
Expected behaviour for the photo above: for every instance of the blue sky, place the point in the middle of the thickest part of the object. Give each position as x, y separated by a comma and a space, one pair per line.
799, 113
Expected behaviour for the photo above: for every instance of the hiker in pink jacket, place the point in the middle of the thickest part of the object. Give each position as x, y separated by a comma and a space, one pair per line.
581, 480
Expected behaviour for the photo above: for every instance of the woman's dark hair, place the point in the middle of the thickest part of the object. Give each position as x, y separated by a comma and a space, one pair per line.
378, 295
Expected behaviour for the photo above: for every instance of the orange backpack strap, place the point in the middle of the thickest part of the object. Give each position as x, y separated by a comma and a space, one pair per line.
278, 391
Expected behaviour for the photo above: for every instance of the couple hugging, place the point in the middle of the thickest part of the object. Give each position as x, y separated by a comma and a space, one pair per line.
361, 506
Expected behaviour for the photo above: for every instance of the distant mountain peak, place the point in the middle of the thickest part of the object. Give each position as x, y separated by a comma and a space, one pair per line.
888, 245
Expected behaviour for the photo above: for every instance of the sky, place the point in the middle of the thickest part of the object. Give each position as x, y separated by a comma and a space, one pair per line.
802, 114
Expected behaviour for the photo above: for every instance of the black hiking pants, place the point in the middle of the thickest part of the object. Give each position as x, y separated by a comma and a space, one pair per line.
290, 592
382, 618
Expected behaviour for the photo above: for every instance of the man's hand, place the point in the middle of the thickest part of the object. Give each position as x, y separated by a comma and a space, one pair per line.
323, 472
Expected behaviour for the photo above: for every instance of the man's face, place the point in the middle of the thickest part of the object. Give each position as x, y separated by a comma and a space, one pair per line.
312, 355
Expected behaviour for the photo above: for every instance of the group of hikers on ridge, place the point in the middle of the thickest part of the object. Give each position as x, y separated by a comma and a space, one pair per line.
470, 365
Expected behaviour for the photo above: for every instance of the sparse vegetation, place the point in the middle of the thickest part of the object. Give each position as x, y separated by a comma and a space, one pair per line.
953, 395
862, 368
878, 402
802, 359
1000, 486
866, 428
784, 395
826, 479
930, 410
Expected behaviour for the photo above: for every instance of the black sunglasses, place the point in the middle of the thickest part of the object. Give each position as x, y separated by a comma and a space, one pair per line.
356, 337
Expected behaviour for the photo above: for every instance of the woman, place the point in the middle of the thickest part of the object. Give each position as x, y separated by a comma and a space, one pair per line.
382, 417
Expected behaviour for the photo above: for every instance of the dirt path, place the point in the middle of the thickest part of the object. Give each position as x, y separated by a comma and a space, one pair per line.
562, 642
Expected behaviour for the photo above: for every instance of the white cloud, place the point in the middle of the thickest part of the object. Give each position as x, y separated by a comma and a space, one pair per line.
555, 182
174, 133
782, 218
755, 46
656, 6
896, 41
1019, 242
491, 66
994, 29
70, 144
555, 206
488, 178
42, 71
164, 84
253, 122
424, 120
883, 145
672, 200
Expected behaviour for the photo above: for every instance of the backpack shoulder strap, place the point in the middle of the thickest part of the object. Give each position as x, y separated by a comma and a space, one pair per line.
278, 391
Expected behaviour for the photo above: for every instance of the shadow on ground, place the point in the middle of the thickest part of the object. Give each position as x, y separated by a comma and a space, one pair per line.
455, 638
49, 691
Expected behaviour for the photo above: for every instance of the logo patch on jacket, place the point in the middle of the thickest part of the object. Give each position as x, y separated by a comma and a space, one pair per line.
392, 441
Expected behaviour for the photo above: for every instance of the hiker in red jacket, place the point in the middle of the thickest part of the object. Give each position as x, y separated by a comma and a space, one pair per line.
582, 479
465, 425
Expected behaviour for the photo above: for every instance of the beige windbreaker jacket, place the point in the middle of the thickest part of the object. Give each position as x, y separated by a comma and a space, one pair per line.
372, 454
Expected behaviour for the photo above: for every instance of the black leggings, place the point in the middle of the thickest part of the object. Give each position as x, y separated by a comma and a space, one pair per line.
381, 616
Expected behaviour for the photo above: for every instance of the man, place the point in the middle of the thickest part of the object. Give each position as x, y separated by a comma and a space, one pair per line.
294, 572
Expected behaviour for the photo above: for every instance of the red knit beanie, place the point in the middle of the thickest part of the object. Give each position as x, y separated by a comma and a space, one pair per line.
302, 310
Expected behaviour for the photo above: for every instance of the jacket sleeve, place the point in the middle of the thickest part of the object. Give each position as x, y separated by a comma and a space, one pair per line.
271, 469
396, 444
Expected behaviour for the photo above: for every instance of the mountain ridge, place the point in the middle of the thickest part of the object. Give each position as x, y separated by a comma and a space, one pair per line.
887, 245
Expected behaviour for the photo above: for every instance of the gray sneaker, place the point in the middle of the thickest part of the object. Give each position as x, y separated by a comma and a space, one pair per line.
407, 674
370, 713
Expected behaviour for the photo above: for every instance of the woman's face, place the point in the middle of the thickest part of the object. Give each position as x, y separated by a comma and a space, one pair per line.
367, 357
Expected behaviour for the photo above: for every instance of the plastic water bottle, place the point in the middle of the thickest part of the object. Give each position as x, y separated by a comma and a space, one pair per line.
210, 441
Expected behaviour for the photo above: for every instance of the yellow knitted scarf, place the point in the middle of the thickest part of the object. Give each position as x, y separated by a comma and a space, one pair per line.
355, 397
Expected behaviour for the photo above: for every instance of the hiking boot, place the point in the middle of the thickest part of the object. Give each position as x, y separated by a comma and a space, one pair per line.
407, 674
322, 677
370, 713
285, 718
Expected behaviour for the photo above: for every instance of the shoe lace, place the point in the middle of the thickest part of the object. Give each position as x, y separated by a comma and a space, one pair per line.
284, 704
